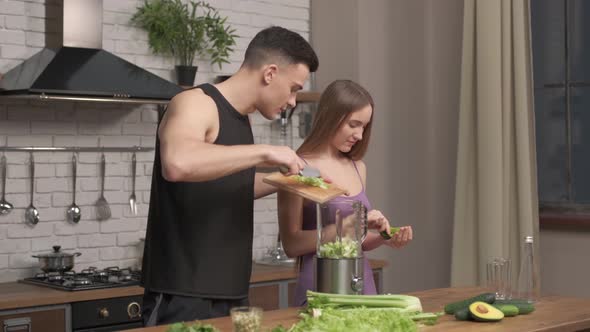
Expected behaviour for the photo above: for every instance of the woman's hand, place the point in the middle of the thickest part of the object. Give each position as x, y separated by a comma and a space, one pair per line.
401, 238
377, 221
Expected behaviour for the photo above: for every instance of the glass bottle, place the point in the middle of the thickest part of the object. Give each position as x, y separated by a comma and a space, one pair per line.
528, 279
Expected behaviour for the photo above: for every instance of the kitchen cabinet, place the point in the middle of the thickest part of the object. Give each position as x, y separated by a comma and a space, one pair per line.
269, 296
36, 319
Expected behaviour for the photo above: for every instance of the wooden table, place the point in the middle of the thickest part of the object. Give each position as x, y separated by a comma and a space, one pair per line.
553, 313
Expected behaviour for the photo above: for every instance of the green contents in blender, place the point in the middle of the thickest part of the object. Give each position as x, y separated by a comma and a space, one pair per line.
346, 248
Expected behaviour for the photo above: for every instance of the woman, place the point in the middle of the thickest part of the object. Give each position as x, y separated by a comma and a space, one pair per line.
336, 145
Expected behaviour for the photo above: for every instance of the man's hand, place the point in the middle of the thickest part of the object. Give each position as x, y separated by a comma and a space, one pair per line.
284, 156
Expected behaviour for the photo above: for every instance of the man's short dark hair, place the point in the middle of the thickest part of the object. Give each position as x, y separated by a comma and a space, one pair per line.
281, 43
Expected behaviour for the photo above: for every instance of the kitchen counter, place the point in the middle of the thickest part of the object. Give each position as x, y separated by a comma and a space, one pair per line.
552, 314
262, 273
15, 295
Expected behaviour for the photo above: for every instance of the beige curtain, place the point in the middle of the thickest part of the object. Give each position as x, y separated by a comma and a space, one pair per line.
496, 191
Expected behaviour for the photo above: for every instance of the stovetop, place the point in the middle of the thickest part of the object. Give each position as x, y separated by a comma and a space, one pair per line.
91, 278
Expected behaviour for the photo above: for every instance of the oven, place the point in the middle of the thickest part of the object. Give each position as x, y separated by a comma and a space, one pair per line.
114, 314
101, 315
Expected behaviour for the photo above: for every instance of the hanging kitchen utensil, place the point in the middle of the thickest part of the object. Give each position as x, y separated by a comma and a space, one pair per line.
132, 198
281, 131
5, 206
31, 213
103, 210
74, 213
316, 194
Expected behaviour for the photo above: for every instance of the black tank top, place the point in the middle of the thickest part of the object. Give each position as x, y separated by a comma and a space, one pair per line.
199, 234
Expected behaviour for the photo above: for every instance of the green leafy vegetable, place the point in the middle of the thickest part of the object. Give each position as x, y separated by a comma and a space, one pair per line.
279, 328
407, 303
357, 320
311, 181
196, 327
427, 318
392, 231
346, 248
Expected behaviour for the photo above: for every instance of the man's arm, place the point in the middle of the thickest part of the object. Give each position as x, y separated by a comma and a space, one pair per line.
262, 189
186, 132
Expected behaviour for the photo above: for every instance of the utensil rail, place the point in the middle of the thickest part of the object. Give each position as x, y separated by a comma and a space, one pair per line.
75, 149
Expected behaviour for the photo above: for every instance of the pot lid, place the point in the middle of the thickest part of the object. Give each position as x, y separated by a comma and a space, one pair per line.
56, 253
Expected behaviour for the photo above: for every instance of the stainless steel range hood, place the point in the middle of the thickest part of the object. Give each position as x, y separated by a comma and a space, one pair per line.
77, 68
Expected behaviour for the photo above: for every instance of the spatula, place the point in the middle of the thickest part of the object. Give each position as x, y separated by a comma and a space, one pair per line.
103, 211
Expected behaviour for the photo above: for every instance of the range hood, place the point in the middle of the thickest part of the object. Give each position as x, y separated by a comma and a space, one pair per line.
77, 68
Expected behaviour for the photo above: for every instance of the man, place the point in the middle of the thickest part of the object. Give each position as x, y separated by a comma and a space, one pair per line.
198, 249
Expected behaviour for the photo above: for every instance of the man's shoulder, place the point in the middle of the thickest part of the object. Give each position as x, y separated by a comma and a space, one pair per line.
189, 101
195, 97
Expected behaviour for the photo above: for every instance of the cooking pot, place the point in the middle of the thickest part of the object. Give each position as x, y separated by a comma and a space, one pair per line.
57, 261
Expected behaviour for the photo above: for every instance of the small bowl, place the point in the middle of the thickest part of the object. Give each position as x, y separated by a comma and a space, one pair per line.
246, 319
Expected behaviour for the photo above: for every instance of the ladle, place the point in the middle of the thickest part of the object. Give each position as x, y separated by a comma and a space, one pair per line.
74, 213
31, 213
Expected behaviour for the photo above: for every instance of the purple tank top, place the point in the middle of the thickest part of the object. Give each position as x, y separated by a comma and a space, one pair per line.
305, 278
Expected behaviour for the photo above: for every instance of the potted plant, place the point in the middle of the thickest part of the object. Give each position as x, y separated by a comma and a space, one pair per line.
184, 32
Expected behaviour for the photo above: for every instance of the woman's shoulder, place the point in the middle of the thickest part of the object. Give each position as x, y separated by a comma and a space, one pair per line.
360, 164
310, 159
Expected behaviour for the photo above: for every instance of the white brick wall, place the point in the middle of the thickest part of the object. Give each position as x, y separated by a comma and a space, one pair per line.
115, 241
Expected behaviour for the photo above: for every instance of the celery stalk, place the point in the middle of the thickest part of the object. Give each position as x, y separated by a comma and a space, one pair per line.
325, 300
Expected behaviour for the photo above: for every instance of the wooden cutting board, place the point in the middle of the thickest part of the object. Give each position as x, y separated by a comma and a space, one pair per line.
315, 194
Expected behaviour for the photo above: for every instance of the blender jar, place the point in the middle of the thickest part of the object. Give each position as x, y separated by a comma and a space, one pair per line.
341, 227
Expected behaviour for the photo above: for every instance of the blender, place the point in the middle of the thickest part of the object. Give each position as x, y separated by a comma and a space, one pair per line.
339, 262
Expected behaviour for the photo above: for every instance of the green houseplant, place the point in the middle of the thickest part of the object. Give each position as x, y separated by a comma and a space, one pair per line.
185, 30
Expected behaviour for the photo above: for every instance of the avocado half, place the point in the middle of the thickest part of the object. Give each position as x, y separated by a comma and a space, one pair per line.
483, 312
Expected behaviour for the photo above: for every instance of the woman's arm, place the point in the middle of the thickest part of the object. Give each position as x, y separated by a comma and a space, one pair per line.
374, 240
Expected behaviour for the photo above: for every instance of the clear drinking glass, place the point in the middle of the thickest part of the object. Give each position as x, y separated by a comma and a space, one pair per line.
499, 277
246, 319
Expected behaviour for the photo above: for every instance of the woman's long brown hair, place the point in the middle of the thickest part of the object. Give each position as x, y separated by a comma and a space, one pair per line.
338, 101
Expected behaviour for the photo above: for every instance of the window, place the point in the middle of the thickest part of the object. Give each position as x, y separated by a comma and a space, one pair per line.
561, 67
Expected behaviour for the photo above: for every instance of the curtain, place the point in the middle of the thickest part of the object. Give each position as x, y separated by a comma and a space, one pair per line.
496, 201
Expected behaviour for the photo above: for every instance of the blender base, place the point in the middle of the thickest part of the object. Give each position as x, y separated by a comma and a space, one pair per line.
339, 276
